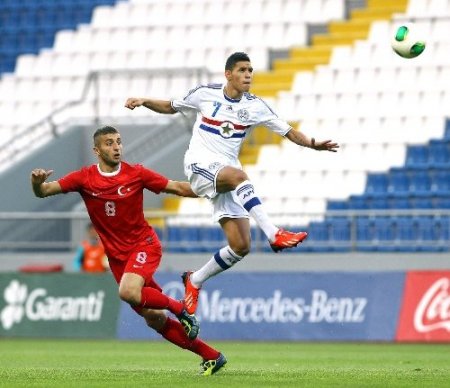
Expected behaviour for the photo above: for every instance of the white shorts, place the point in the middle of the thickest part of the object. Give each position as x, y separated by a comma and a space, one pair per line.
202, 178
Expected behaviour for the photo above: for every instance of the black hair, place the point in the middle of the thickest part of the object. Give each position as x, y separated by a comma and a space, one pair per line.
234, 58
106, 130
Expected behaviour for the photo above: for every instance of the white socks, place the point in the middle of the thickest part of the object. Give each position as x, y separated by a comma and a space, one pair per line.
246, 194
221, 261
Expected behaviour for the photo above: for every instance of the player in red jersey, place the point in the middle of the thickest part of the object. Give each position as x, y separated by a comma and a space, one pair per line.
113, 193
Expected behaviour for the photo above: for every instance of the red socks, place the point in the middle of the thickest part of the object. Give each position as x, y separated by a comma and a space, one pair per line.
174, 332
154, 299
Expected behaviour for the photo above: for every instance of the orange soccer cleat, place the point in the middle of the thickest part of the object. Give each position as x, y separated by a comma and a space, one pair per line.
285, 239
190, 293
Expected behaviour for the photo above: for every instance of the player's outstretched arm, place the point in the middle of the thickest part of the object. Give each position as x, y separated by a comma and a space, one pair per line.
159, 106
40, 187
183, 189
300, 138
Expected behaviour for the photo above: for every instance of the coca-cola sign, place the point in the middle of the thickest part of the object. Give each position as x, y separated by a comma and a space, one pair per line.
425, 314
433, 311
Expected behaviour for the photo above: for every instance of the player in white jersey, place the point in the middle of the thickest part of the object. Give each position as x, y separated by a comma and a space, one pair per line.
223, 123
225, 114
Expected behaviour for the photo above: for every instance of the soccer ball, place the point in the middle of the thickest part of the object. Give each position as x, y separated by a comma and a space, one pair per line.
407, 41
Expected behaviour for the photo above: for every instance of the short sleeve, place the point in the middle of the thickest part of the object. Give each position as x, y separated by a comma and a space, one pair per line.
72, 181
270, 119
190, 102
278, 126
153, 181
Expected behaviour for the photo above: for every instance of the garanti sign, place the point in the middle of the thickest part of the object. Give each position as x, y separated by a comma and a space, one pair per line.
58, 305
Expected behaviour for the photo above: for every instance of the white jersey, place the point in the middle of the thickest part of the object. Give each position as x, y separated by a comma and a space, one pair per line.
222, 123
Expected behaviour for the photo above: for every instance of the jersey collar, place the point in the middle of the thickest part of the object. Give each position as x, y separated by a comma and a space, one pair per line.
114, 173
229, 98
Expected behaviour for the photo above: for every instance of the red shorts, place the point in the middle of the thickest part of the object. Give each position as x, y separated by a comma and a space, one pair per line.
144, 261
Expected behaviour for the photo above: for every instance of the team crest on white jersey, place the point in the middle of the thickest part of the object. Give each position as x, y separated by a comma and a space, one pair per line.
243, 114
227, 129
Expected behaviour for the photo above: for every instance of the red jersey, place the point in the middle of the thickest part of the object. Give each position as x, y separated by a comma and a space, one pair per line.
114, 202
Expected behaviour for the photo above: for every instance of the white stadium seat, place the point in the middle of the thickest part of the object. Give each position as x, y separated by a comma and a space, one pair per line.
367, 98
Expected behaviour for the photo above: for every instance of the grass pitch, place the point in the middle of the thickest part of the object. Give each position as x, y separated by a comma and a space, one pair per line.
76, 363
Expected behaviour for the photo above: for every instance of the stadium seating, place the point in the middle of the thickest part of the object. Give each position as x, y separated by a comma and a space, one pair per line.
28, 26
366, 99
131, 35
388, 114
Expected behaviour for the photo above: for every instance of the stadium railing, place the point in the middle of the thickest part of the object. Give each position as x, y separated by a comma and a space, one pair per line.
424, 230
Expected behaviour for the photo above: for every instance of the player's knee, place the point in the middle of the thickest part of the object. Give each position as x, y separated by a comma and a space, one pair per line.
240, 245
229, 178
131, 295
241, 248
238, 177
156, 319
242, 252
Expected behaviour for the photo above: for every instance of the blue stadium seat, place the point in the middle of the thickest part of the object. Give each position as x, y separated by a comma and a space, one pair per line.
318, 231
379, 203
377, 184
64, 17
358, 202
339, 232
439, 153
383, 233
26, 26
45, 37
26, 18
420, 182
399, 202
398, 182
82, 13
427, 234
46, 16
173, 235
7, 61
405, 234
440, 183
441, 202
182, 239
212, 237
337, 205
417, 156
364, 232
421, 202
442, 230
447, 130
10, 4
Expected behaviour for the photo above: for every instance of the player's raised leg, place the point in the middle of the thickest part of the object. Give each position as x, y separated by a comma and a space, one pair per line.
237, 232
279, 239
245, 192
284, 239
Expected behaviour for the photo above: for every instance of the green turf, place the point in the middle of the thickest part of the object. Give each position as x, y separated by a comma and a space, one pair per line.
72, 363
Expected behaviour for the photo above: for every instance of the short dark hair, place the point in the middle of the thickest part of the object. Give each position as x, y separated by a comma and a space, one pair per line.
106, 130
234, 58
